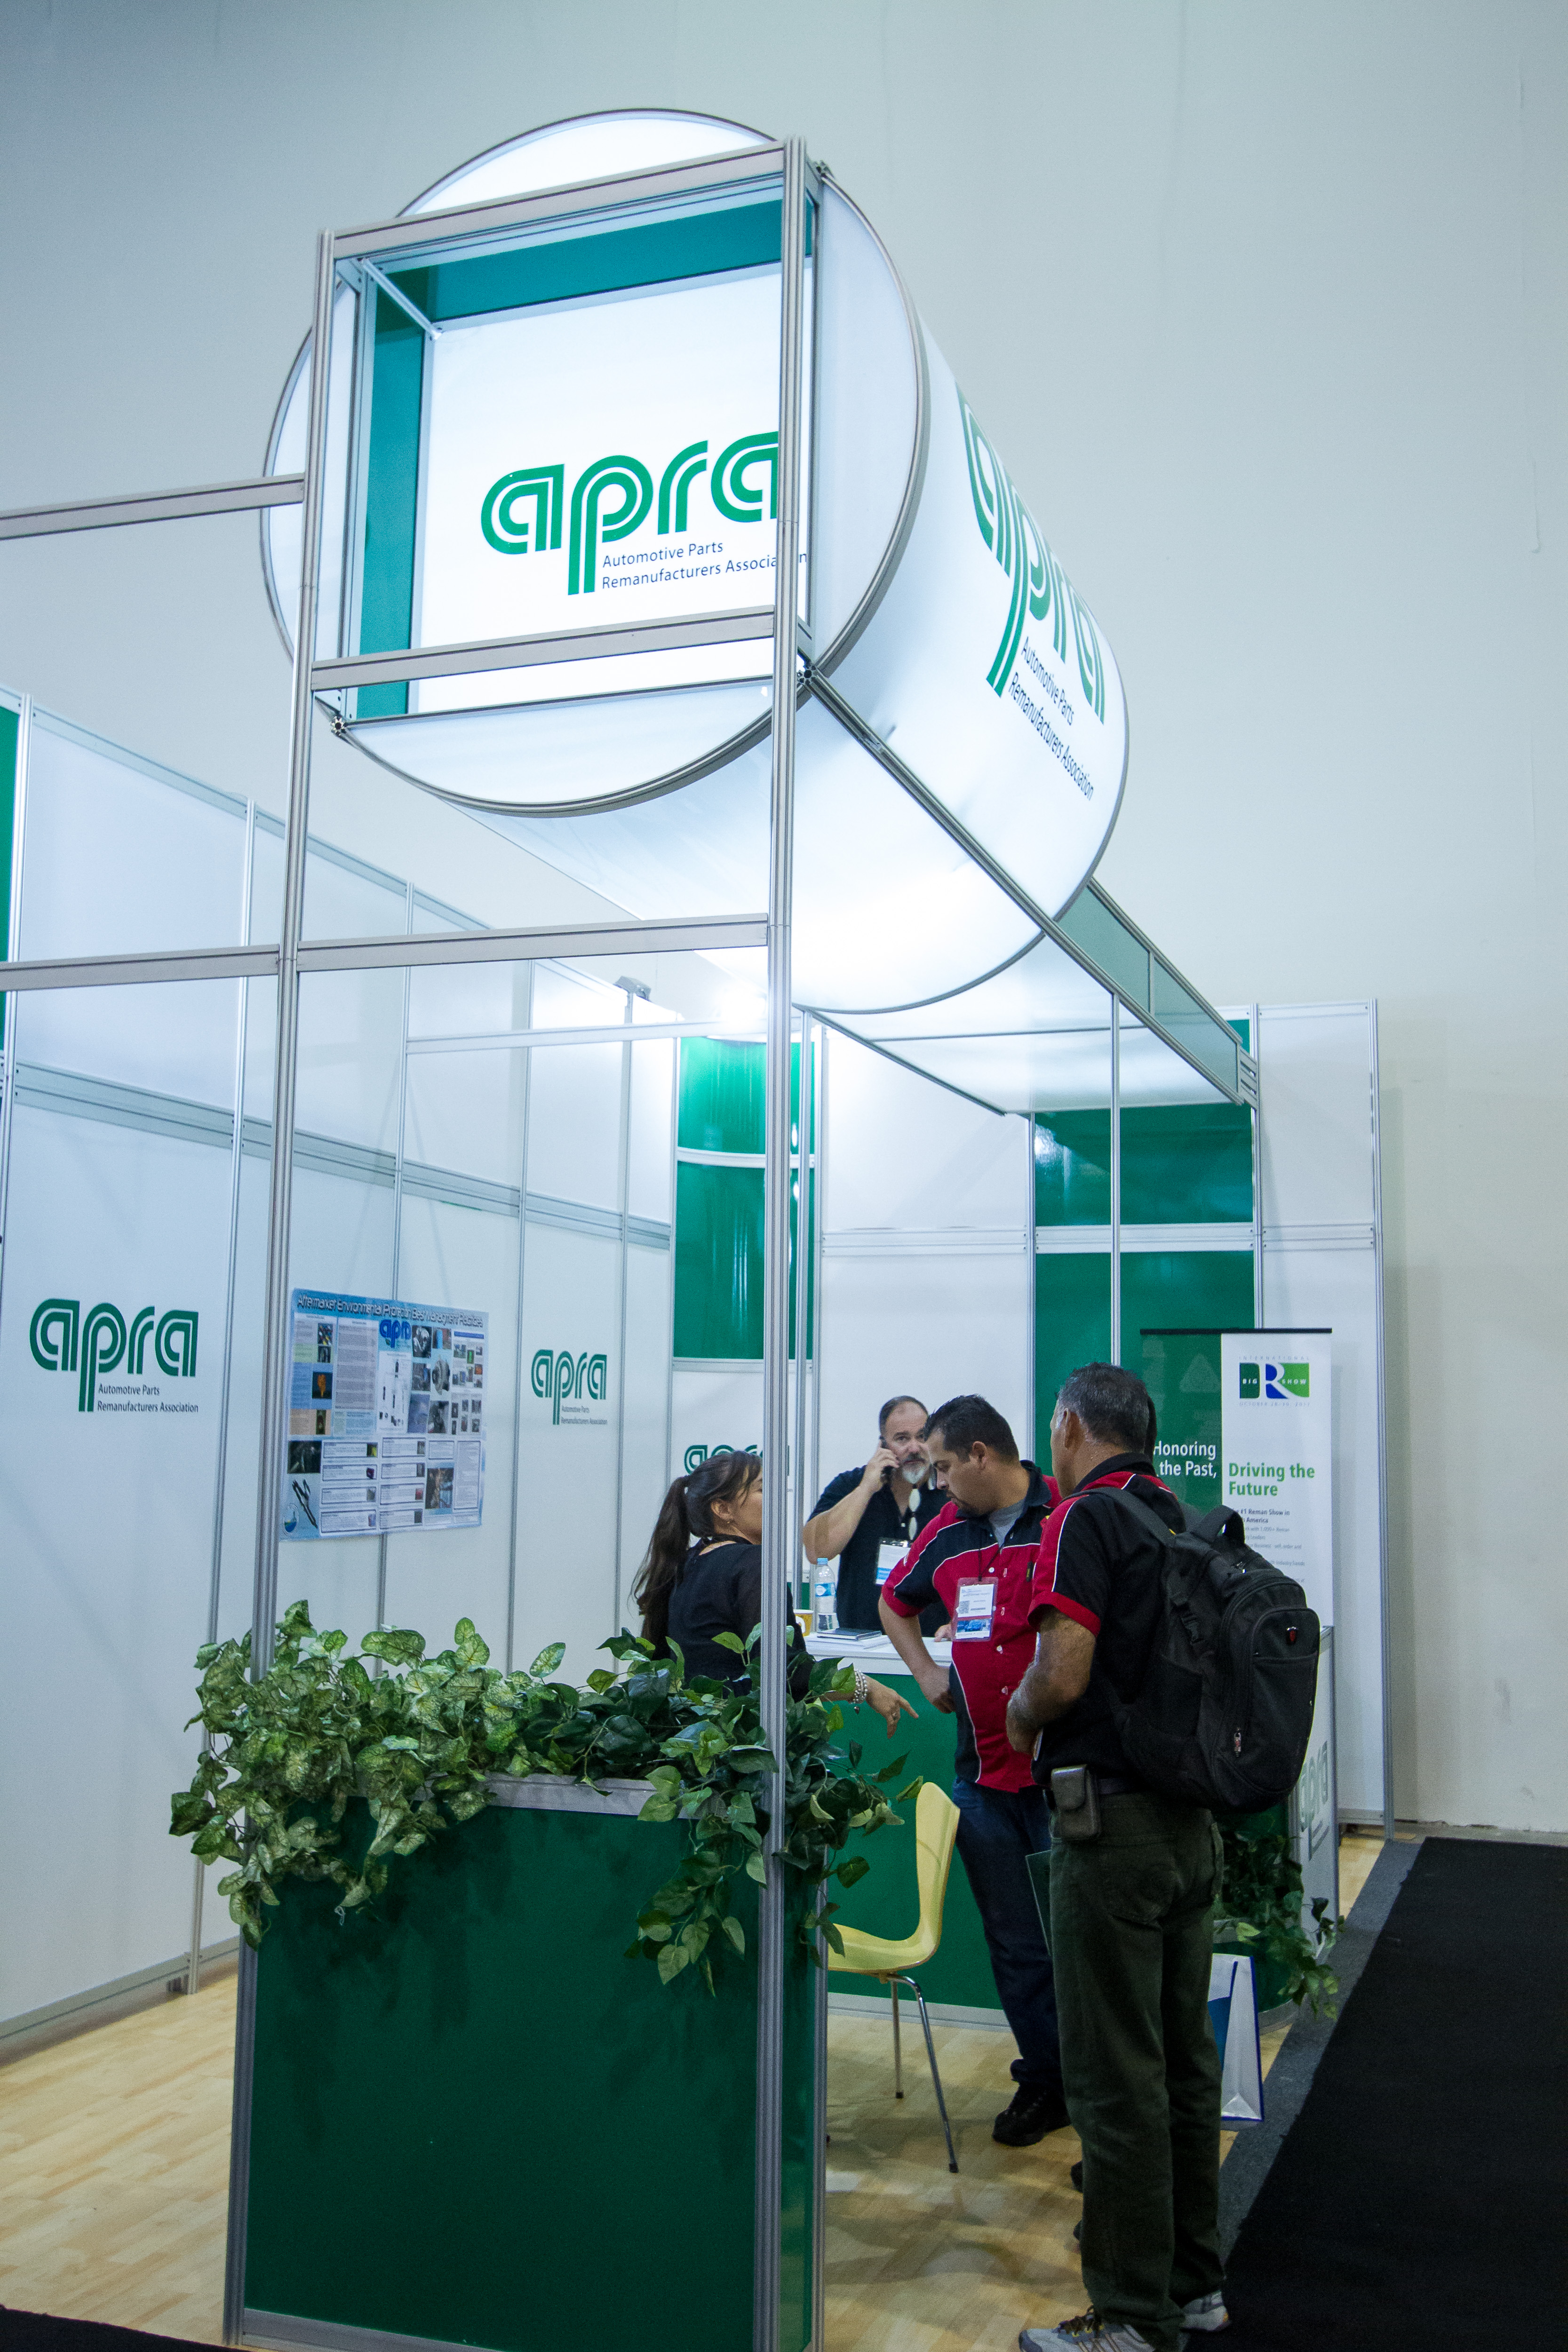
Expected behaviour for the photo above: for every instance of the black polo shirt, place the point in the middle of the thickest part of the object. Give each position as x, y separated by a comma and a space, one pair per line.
1099, 1565
720, 1591
882, 1522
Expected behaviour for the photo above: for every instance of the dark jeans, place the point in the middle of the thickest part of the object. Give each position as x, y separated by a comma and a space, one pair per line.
1131, 1933
999, 1829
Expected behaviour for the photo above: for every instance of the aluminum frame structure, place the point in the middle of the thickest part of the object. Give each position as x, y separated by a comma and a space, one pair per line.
317, 681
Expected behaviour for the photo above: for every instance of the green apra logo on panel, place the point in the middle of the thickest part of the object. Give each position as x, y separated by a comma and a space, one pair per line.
65, 1340
1040, 587
561, 1376
696, 1455
524, 513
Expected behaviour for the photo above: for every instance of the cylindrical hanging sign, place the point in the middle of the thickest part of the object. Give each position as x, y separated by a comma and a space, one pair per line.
578, 430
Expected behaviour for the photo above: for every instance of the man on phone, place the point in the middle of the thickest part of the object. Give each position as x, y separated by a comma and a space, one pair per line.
867, 1517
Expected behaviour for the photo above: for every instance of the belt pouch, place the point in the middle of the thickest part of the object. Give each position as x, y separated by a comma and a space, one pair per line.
1074, 1799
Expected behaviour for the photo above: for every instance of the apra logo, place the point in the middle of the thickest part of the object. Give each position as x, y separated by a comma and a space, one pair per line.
1278, 1383
64, 1341
695, 1455
523, 512
561, 1377
1040, 586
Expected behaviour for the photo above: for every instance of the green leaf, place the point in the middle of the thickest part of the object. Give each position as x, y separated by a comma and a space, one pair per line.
733, 1929
547, 1662
851, 1869
396, 1643
727, 1641
671, 1961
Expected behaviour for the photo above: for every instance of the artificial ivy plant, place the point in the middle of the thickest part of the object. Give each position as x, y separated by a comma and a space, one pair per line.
419, 1739
1263, 1906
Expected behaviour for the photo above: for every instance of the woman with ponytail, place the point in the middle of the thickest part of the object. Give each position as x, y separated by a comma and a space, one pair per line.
703, 1576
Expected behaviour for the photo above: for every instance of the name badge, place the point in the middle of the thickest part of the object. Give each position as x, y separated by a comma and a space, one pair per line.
890, 1556
971, 1617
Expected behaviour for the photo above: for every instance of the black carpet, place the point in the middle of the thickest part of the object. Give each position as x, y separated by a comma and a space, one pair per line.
36, 2331
1420, 2198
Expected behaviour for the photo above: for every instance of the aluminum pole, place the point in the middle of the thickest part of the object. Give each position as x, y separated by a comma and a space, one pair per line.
801, 1296
220, 1465
1116, 1180
776, 1545
277, 1352
396, 1208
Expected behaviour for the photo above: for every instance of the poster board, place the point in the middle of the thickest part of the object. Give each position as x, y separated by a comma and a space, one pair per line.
387, 1406
1246, 1421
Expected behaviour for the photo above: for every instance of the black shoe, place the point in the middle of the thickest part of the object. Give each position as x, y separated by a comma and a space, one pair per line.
1076, 2176
1032, 2115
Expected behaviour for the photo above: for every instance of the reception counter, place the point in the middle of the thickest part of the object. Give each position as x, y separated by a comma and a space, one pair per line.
475, 2121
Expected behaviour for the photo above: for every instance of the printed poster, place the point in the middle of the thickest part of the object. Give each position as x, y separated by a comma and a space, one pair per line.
386, 1417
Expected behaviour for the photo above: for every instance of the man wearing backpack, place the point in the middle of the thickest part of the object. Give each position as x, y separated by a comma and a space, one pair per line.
1133, 1879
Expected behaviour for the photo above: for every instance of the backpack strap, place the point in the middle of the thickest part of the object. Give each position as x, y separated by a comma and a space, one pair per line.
1144, 1511
1177, 1592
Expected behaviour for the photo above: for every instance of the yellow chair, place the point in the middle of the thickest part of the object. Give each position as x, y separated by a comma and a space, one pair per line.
936, 1829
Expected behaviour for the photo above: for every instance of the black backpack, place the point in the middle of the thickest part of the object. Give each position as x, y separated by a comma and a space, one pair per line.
1225, 1710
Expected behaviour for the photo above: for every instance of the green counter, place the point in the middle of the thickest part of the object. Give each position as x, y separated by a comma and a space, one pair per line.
475, 2122
885, 1902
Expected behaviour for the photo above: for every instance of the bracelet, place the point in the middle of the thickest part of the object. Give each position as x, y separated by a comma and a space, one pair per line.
862, 1691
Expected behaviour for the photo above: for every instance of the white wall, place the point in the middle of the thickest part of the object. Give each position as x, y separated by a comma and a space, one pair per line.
926, 1252
1265, 307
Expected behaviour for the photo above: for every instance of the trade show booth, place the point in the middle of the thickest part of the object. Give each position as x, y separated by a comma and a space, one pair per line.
565, 1042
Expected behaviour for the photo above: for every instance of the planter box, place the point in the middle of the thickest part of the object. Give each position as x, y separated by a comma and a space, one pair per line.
475, 2122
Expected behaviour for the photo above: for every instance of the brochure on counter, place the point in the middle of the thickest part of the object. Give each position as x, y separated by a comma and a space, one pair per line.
386, 1417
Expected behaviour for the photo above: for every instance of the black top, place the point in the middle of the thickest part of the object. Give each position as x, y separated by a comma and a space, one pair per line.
1102, 1566
882, 1522
720, 1591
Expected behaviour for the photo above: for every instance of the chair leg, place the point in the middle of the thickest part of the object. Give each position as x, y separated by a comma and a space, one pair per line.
898, 2051
936, 2078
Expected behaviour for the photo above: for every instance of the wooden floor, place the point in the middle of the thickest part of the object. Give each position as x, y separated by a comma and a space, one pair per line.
114, 2180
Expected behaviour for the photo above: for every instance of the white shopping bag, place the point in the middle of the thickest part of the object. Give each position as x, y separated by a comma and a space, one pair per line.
1233, 2013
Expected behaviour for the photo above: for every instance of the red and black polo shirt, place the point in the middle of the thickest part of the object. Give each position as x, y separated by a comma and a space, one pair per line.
1102, 1568
987, 1591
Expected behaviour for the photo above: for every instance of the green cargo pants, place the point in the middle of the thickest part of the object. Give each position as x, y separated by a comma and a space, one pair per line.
1132, 1939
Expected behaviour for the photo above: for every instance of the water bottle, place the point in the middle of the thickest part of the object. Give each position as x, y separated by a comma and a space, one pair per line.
825, 1596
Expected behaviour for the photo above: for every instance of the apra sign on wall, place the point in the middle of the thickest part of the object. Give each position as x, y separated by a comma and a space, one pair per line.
65, 1340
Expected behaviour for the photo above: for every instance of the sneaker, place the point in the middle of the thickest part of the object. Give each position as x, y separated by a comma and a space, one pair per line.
1074, 2334
1205, 2315
1032, 2115
1076, 2176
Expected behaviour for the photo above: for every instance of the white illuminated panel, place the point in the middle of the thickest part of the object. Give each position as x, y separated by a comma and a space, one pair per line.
987, 674
600, 462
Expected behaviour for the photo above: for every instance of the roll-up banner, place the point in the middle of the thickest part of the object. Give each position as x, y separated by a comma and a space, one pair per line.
1246, 1421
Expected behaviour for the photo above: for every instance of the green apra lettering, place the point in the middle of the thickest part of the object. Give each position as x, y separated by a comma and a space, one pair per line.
65, 1340
1040, 587
523, 512
560, 1376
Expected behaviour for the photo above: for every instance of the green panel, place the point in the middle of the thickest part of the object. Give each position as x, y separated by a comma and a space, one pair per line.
1244, 1031
392, 482
737, 237
721, 1090
1182, 1372
1186, 1164
446, 2092
10, 727
886, 1902
1072, 1167
1183, 1290
722, 1097
1072, 1327
1097, 929
717, 1261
